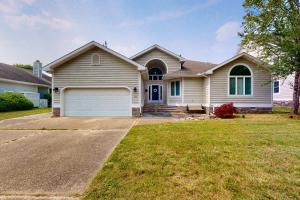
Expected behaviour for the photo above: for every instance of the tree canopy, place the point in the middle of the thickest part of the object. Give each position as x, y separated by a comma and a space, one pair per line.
272, 28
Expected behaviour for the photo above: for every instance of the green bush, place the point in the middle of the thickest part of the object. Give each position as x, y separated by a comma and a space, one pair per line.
48, 97
14, 101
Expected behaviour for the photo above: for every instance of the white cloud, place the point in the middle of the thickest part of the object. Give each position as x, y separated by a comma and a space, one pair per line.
28, 2
168, 15
11, 10
36, 21
9, 6
227, 31
125, 50
13, 6
226, 38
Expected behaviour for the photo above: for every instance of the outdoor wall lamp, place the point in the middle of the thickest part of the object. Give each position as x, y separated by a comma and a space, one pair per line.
135, 89
56, 90
146, 90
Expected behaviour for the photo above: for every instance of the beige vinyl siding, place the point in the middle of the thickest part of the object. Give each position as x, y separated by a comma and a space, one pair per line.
193, 91
16, 87
112, 71
173, 64
206, 94
261, 82
174, 100
143, 92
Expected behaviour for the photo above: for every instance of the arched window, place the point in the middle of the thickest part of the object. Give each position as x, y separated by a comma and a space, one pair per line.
155, 74
240, 81
95, 59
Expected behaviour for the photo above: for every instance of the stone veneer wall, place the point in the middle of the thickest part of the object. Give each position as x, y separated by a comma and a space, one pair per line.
56, 112
245, 110
255, 110
283, 103
136, 112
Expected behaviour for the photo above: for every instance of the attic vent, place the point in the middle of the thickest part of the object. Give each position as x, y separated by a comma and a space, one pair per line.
95, 59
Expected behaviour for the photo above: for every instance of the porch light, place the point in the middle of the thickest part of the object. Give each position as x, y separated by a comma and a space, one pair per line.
56, 90
135, 89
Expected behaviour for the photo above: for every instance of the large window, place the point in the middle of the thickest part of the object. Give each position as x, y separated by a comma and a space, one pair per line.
155, 74
276, 87
175, 88
240, 81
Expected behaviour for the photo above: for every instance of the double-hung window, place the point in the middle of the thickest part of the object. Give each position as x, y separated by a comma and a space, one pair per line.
276, 87
175, 88
240, 81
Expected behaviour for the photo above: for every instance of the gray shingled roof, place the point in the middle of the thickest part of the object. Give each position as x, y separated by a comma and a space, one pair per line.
17, 74
190, 68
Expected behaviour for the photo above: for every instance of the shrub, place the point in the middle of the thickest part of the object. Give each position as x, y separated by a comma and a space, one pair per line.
225, 111
14, 101
48, 97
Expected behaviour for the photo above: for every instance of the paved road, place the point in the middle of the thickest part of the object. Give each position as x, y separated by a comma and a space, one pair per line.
55, 157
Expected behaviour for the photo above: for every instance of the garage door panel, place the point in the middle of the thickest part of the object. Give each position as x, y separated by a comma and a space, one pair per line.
97, 102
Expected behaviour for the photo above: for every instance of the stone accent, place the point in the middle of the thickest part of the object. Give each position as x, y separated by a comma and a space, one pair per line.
136, 112
283, 103
56, 112
255, 110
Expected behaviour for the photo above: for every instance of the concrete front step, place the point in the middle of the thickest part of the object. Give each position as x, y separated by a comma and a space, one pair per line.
165, 110
165, 114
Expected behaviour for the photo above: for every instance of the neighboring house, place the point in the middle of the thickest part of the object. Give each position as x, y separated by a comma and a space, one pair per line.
32, 85
282, 89
97, 81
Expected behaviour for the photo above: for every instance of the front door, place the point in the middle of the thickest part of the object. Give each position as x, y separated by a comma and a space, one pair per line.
155, 94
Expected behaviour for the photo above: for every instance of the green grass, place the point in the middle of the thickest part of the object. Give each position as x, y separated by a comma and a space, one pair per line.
253, 158
13, 114
281, 109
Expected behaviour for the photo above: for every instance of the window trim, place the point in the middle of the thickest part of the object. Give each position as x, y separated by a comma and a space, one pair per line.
95, 54
278, 87
180, 86
244, 85
159, 77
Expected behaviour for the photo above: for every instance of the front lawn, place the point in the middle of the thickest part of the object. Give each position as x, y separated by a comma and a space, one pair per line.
21, 113
253, 158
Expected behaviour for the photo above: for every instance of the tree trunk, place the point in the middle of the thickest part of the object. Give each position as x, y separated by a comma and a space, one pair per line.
295, 107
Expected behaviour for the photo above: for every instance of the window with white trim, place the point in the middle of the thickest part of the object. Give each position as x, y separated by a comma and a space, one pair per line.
240, 81
175, 88
276, 87
95, 59
155, 74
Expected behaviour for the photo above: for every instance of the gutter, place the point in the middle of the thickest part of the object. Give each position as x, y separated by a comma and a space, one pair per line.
22, 82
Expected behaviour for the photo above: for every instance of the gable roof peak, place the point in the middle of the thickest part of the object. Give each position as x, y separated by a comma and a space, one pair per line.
156, 46
243, 54
49, 67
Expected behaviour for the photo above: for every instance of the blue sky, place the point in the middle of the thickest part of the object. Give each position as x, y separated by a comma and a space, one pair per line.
203, 30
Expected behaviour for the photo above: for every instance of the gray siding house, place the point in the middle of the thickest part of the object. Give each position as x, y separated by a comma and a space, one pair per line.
32, 85
94, 80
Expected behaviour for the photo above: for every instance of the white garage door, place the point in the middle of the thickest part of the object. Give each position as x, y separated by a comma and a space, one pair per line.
97, 102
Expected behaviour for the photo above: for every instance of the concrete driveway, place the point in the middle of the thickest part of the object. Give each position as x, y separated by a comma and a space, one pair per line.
55, 158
